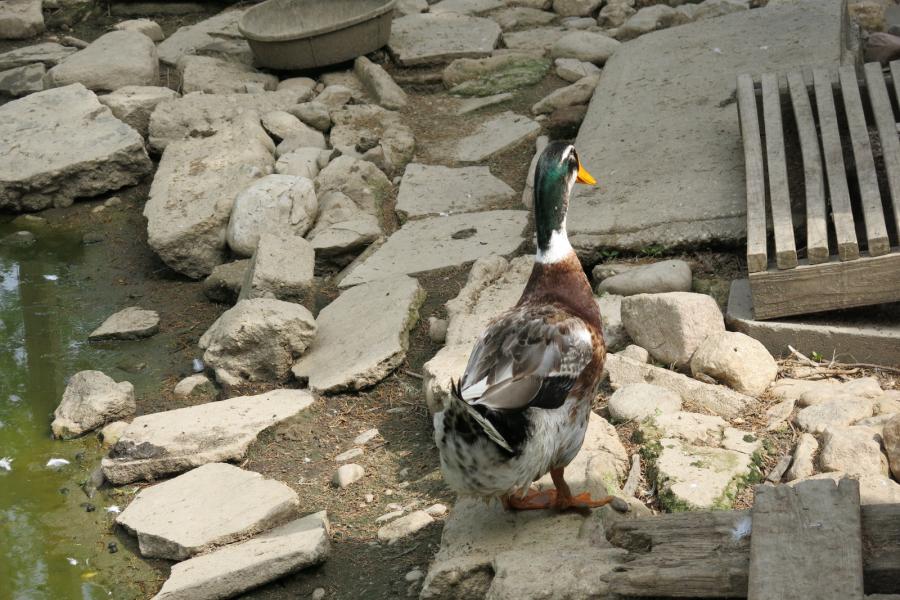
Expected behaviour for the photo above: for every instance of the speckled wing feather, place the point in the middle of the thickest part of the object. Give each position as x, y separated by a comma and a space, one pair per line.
529, 357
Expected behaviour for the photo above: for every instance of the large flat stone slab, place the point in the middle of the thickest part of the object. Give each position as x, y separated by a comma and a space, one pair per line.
62, 144
351, 354
701, 477
425, 39
870, 334
194, 190
112, 61
433, 189
191, 38
47, 53
236, 568
496, 135
438, 242
211, 505
173, 441
20, 19
662, 134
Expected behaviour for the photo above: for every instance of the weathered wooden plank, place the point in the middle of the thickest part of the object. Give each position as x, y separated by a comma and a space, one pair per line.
870, 195
816, 225
806, 542
757, 259
776, 168
828, 286
838, 191
887, 131
670, 550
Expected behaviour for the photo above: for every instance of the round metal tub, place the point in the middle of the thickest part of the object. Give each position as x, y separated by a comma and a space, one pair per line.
304, 34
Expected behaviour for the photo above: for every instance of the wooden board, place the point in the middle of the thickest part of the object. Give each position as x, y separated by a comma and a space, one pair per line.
814, 182
757, 259
836, 176
833, 285
806, 542
776, 167
880, 100
870, 195
703, 555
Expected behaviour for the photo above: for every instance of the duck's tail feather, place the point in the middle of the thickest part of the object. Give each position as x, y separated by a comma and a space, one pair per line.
482, 421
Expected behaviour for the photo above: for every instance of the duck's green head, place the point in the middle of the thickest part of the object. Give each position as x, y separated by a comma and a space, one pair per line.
556, 172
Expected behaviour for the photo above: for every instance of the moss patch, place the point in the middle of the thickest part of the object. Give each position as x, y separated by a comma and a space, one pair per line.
511, 76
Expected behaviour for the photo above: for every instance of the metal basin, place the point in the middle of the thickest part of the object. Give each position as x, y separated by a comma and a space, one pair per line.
304, 34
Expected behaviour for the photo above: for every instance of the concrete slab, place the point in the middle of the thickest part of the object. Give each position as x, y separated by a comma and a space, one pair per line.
236, 568
173, 441
434, 189
662, 135
211, 505
869, 334
426, 39
438, 242
496, 135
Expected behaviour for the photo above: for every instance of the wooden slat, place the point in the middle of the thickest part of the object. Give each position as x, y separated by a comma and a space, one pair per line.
887, 129
816, 225
828, 286
776, 168
806, 542
703, 555
757, 259
870, 195
838, 192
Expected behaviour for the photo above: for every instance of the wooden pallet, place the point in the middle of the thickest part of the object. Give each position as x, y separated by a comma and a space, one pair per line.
842, 251
810, 541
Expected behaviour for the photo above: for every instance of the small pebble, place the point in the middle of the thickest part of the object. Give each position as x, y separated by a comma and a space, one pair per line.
389, 516
369, 498
365, 437
403, 472
88, 507
348, 455
393, 506
318, 594
414, 575
98, 209
112, 547
619, 505
403, 485
388, 492
197, 365
437, 510
114, 201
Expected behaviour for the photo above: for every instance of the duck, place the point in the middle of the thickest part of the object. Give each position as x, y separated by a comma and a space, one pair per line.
521, 407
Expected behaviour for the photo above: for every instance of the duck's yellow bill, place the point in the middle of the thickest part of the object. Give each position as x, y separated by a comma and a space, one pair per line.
584, 176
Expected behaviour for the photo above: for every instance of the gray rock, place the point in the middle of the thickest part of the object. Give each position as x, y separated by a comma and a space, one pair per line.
335, 96
735, 360
666, 105
145, 26
614, 334
656, 278
304, 84
342, 229
699, 476
891, 436
494, 74
793, 389
258, 339
224, 283
91, 399
576, 8
373, 134
852, 450
635, 353
203, 115
315, 114
281, 205
404, 526
836, 412
873, 489
350, 355
588, 46
303, 162
437, 242
349, 455
112, 61
522, 17
131, 323
778, 414
614, 14
803, 464
536, 4
169, 442
606, 270
672, 325
361, 181
381, 85
236, 568
191, 38
638, 401
196, 386
572, 69
437, 330
647, 19
347, 475
134, 104
528, 193
173, 519
716, 399
283, 125
218, 76
111, 432
494, 136
194, 189
305, 137
693, 428
20, 19
426, 39
865, 387
472, 104
410, 7
22, 81
579, 92
47, 53
709, 9
62, 144
537, 41
465, 7
281, 267
432, 189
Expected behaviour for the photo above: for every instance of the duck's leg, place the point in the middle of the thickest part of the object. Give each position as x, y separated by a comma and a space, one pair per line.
533, 500
565, 500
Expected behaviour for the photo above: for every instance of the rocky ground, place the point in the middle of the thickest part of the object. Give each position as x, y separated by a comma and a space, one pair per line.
328, 246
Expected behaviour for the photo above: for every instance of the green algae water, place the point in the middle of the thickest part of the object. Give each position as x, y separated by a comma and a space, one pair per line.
56, 530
